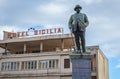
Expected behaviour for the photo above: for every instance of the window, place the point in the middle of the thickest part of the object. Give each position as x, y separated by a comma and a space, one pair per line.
23, 66
10, 66
48, 64
43, 64
53, 64
66, 63
27, 65
14, 65
3, 66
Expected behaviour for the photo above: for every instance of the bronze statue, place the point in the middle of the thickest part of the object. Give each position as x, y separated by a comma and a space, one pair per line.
77, 24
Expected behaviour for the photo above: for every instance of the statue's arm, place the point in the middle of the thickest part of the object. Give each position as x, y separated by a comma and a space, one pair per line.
86, 20
70, 23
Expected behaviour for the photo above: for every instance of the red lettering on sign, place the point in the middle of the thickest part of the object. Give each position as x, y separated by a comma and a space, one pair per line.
22, 33
18, 34
9, 35
47, 31
14, 34
59, 30
35, 32
39, 31
51, 31
43, 31
55, 30
27, 34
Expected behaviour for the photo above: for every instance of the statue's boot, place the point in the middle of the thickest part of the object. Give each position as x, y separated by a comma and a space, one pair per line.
78, 51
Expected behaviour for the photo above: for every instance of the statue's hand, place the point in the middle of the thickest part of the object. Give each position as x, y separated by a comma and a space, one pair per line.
70, 29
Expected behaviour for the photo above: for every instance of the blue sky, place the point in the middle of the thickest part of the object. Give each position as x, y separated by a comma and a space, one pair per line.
19, 15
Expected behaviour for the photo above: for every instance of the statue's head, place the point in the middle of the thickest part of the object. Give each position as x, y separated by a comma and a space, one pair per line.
77, 8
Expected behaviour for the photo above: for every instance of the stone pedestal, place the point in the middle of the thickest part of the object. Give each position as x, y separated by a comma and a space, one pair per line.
81, 66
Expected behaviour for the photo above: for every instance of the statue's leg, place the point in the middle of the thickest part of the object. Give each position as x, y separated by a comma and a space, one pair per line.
76, 34
82, 35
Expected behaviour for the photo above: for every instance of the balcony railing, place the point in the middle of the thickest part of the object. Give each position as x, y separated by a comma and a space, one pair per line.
8, 54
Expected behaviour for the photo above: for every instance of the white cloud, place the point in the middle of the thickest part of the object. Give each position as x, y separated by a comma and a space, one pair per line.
91, 1
105, 33
110, 50
98, 19
104, 29
52, 9
118, 65
2, 2
52, 13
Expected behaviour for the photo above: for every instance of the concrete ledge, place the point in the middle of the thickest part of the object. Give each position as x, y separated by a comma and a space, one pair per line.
34, 75
80, 56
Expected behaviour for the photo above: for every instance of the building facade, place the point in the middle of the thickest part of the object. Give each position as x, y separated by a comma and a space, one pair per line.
45, 57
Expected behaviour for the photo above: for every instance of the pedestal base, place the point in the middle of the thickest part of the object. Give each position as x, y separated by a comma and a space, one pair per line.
81, 66
75, 55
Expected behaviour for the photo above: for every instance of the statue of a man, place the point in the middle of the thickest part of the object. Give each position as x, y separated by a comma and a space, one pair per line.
77, 24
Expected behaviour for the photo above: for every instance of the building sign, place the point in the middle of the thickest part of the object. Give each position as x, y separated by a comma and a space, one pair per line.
33, 33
